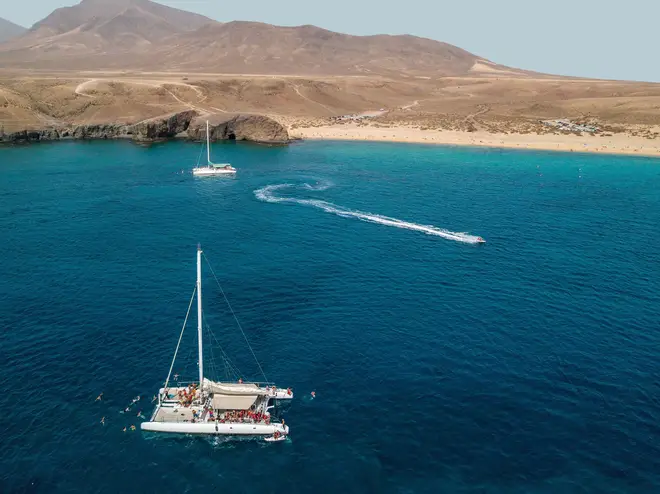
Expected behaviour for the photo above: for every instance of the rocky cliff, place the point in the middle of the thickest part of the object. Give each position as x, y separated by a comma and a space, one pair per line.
256, 128
185, 124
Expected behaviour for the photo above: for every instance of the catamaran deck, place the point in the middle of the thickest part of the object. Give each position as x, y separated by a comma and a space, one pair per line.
227, 402
171, 414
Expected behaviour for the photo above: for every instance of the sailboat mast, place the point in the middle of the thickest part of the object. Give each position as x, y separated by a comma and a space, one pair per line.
208, 144
199, 315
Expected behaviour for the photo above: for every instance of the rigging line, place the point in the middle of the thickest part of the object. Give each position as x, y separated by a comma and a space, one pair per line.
235, 318
180, 336
213, 366
213, 362
212, 359
225, 357
199, 158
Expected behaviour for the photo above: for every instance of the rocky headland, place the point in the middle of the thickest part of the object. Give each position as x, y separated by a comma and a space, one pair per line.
180, 125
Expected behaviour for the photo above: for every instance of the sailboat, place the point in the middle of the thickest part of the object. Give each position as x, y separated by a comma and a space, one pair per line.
212, 169
211, 408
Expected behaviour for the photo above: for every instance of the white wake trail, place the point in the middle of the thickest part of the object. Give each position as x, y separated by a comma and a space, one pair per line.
267, 194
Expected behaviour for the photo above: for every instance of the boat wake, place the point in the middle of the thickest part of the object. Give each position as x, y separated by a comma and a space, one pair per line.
269, 194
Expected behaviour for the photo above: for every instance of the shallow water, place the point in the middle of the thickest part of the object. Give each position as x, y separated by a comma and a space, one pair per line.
525, 365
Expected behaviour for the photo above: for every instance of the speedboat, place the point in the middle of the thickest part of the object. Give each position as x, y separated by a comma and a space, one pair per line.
480, 240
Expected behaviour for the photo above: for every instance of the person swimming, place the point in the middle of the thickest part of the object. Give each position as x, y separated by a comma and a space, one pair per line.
103, 420
313, 393
99, 397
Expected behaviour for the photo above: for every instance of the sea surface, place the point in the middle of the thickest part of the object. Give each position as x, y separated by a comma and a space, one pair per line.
529, 364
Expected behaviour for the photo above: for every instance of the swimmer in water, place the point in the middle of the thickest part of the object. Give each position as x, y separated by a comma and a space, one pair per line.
132, 427
124, 429
99, 397
103, 420
154, 398
313, 393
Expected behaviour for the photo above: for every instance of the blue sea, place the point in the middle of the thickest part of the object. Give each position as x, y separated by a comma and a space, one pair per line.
529, 364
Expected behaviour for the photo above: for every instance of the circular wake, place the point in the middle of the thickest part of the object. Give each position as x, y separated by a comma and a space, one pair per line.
268, 194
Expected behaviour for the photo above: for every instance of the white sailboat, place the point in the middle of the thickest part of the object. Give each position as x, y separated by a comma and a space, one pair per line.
216, 408
212, 169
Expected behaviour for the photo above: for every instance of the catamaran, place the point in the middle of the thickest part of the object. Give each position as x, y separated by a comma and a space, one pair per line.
208, 407
212, 168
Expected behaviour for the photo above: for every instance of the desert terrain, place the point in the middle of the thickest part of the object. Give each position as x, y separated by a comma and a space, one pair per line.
94, 63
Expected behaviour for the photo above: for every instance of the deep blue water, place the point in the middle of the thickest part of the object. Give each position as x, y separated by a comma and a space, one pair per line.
526, 365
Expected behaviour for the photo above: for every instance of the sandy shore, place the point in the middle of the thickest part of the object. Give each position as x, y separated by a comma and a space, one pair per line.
614, 144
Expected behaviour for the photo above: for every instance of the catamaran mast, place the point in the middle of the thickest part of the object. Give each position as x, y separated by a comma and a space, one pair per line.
199, 314
208, 144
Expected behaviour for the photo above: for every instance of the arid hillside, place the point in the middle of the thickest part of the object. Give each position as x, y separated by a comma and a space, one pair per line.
462, 103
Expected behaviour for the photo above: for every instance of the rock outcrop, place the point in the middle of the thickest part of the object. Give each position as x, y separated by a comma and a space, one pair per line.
256, 128
185, 124
163, 127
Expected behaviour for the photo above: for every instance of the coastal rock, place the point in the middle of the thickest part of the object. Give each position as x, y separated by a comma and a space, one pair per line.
31, 135
182, 125
162, 127
256, 128
109, 131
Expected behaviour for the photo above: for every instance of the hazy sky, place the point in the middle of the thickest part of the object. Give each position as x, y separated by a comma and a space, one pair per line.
591, 38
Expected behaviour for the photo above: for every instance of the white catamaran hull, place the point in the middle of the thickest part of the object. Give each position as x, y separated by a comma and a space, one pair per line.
208, 172
211, 428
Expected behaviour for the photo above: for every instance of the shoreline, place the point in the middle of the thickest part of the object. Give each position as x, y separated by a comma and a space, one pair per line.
616, 144
179, 125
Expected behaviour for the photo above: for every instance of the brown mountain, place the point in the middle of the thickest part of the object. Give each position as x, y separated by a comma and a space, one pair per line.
9, 30
143, 35
97, 27
251, 47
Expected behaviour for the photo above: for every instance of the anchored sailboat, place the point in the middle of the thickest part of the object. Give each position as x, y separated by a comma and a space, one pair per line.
212, 168
216, 408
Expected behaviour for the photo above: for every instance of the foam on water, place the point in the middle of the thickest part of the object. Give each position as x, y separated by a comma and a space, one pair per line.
267, 194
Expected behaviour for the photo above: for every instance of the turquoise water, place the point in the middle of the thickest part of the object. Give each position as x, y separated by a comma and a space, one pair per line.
529, 364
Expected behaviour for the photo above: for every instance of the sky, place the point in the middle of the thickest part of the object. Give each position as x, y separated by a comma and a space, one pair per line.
589, 38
